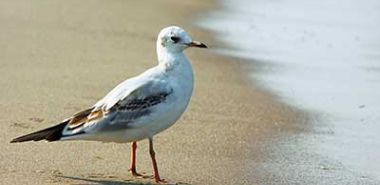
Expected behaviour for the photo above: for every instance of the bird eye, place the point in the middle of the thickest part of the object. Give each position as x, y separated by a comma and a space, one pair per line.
175, 39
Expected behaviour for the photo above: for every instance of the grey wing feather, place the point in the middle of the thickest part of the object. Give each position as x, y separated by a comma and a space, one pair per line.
131, 107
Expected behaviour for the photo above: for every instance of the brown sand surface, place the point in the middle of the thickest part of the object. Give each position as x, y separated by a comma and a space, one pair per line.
58, 57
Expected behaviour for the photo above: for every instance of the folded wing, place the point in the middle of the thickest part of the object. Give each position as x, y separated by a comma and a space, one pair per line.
121, 110
123, 106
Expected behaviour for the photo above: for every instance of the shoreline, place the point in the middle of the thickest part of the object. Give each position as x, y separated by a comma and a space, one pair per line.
218, 140
308, 150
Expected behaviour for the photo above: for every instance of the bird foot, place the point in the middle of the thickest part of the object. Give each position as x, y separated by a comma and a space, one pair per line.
159, 180
135, 174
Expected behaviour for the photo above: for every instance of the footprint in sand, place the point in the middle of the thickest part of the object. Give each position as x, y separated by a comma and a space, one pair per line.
21, 125
37, 120
27, 125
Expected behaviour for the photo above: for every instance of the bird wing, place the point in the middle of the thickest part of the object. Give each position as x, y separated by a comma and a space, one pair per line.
121, 108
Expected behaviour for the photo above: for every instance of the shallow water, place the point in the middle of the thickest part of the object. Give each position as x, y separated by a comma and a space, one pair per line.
321, 56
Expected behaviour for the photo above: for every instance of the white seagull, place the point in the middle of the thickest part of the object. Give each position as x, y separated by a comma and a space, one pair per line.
139, 107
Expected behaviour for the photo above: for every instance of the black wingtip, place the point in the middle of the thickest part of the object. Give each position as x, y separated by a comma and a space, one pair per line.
53, 133
14, 141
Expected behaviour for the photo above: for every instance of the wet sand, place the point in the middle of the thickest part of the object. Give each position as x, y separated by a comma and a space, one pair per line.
58, 57
318, 56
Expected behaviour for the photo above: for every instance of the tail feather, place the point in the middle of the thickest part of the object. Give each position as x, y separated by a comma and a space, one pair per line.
53, 133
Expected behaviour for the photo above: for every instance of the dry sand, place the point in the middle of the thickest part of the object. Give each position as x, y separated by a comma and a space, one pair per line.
58, 57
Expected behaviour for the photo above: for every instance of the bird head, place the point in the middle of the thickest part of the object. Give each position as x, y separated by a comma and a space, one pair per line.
175, 39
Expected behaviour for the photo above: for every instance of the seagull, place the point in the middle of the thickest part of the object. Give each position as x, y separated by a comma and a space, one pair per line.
139, 107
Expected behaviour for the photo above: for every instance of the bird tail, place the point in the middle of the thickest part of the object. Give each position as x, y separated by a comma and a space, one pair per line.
53, 133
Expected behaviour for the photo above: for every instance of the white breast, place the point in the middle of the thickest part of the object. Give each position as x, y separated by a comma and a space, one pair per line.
181, 80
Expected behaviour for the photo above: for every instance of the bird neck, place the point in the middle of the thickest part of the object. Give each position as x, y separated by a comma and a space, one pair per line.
169, 59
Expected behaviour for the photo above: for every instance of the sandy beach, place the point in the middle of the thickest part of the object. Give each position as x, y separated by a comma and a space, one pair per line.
58, 57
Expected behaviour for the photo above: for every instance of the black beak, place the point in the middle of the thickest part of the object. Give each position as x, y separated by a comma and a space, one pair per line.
197, 44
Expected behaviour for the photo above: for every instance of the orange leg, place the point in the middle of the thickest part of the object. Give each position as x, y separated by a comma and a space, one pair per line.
156, 176
132, 169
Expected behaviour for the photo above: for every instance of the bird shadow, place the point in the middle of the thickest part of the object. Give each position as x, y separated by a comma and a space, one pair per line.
86, 181
102, 181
